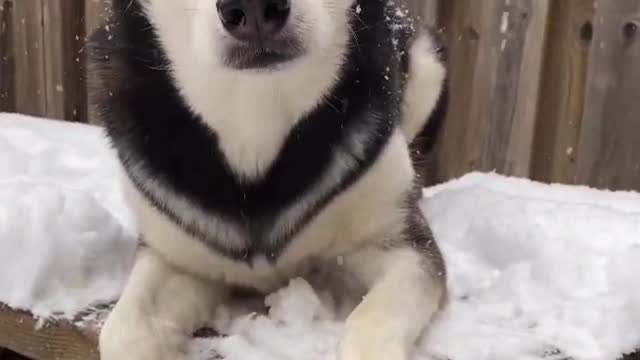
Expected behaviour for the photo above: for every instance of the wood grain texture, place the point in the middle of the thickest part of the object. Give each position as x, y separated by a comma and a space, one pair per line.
44, 53
63, 340
609, 150
7, 57
456, 17
519, 150
429, 10
29, 57
94, 14
58, 341
64, 33
495, 61
561, 105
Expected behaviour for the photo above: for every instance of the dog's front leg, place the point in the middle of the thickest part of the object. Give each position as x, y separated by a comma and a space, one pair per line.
406, 289
159, 310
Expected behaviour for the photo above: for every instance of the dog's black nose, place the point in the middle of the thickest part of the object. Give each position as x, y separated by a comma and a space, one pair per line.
253, 20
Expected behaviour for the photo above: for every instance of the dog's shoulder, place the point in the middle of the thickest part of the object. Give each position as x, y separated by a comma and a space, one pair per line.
174, 159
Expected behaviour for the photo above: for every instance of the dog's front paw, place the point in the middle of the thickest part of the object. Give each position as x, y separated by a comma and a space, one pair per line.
127, 339
371, 341
371, 349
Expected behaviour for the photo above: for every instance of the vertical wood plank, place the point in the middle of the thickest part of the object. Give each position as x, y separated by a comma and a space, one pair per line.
609, 150
564, 82
495, 58
29, 60
519, 151
64, 33
94, 14
431, 11
412, 5
7, 58
457, 20
428, 10
54, 36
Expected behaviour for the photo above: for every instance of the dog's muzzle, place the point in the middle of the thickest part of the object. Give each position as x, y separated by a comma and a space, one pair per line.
254, 20
258, 31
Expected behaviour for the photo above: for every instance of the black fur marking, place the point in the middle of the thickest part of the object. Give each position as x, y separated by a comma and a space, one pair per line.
150, 126
419, 236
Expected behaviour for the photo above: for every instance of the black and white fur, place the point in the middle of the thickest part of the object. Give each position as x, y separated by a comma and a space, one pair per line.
247, 178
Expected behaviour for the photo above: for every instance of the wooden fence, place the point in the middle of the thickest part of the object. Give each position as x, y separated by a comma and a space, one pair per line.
545, 89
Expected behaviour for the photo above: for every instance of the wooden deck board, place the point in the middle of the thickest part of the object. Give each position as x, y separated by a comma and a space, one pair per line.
75, 339
53, 341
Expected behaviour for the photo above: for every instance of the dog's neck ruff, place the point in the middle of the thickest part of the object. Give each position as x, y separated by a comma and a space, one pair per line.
175, 160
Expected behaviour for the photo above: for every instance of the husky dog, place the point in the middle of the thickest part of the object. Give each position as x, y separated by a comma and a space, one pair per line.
263, 139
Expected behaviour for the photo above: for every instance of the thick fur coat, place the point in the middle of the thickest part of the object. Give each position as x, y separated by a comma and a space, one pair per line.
247, 176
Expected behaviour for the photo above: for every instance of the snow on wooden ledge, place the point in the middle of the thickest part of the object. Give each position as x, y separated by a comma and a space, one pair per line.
20, 332
60, 339
536, 271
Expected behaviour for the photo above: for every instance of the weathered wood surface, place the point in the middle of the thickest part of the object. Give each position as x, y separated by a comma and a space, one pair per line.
42, 69
63, 36
57, 341
564, 81
60, 340
428, 11
30, 75
7, 57
94, 14
609, 150
494, 64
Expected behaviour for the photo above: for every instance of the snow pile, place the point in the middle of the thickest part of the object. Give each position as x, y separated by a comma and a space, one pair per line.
536, 271
61, 246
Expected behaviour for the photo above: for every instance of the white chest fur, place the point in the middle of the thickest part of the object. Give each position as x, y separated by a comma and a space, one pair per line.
251, 111
370, 210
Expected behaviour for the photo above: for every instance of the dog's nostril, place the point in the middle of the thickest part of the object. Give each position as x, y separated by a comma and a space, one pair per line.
277, 6
232, 12
251, 20
276, 13
233, 17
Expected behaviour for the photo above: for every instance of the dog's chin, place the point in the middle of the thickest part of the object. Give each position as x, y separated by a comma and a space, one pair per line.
261, 57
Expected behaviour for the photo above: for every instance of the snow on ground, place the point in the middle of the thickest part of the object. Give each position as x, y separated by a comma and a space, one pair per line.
536, 271
537, 267
64, 230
